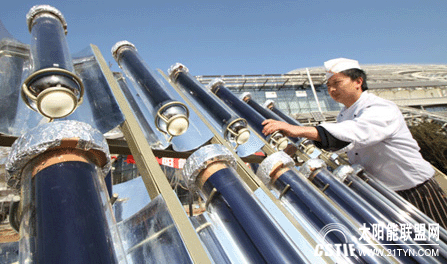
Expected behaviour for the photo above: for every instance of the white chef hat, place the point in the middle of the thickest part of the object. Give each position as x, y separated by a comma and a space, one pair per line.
338, 65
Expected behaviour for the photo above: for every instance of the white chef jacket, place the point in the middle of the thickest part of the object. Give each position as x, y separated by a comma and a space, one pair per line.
380, 141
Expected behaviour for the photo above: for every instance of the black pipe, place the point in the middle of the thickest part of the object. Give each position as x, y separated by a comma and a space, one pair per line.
286, 118
50, 49
273, 246
211, 241
141, 75
267, 114
404, 205
70, 219
261, 110
108, 181
362, 211
236, 230
311, 205
393, 212
208, 102
242, 109
307, 200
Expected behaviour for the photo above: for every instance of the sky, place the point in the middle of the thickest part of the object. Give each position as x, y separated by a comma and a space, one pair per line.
251, 37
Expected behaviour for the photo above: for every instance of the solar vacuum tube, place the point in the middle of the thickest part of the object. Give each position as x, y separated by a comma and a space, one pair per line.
171, 116
246, 97
364, 185
270, 104
235, 128
276, 140
278, 173
365, 213
211, 170
304, 144
64, 214
52, 89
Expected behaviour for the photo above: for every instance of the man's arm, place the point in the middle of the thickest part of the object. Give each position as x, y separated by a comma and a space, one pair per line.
323, 139
328, 141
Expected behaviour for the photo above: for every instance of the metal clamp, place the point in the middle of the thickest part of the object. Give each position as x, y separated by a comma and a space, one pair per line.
27, 95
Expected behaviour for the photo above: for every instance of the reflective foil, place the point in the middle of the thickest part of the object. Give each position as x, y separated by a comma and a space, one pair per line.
50, 135
216, 238
342, 172
269, 163
200, 160
308, 168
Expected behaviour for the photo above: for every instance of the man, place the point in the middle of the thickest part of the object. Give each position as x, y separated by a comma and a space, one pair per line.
374, 134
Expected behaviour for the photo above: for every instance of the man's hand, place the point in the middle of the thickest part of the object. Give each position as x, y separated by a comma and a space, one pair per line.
271, 126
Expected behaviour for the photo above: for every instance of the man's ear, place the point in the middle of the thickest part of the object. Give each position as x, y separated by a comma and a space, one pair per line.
359, 80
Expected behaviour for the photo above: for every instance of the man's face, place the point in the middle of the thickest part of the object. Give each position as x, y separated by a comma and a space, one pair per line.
342, 89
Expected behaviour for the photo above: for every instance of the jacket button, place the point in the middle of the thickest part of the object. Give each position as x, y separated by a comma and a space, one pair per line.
356, 153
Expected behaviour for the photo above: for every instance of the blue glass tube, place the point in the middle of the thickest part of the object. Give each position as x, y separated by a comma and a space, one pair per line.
403, 204
308, 201
358, 208
398, 200
109, 185
70, 221
267, 114
384, 206
236, 230
52, 79
261, 110
285, 117
135, 68
373, 197
272, 245
49, 48
211, 240
243, 110
206, 101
